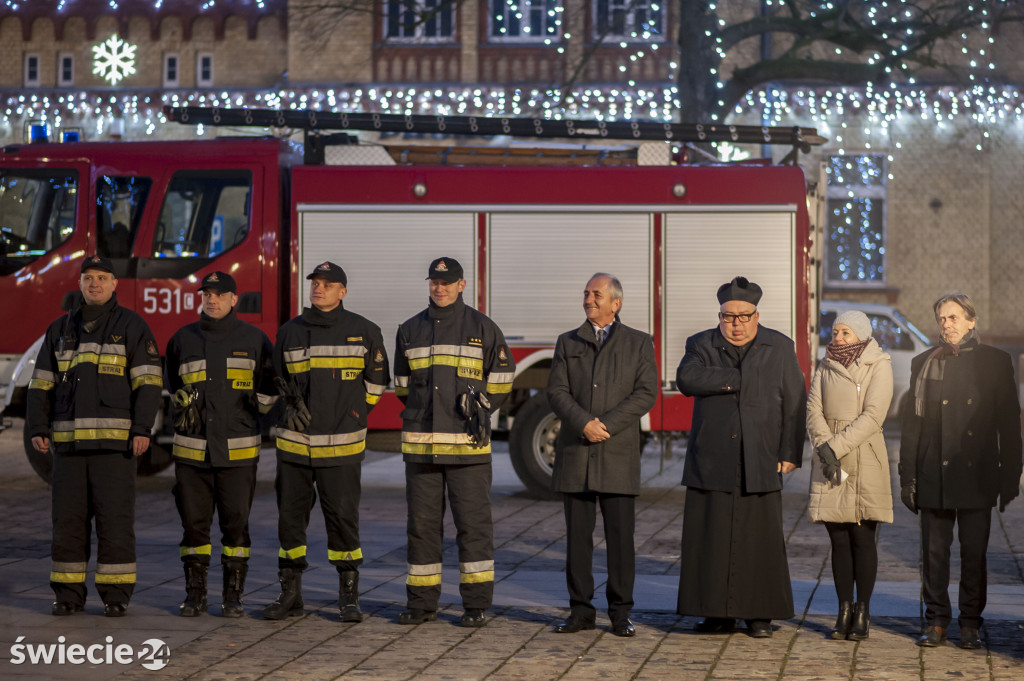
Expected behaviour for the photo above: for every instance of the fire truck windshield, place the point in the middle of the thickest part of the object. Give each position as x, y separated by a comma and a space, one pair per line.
37, 214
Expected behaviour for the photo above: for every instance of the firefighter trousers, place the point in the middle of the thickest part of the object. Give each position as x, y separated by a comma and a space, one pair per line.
468, 491
100, 486
338, 488
197, 492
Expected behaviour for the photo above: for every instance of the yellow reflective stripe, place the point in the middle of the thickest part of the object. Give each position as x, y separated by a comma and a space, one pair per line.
90, 434
147, 379
293, 447
356, 554
188, 453
401, 391
244, 453
337, 450
186, 368
423, 580
235, 551
67, 577
239, 374
476, 577
194, 377
443, 449
336, 363
204, 550
63, 365
442, 438
447, 360
85, 358
298, 367
115, 579
498, 388
297, 552
40, 384
372, 399
118, 360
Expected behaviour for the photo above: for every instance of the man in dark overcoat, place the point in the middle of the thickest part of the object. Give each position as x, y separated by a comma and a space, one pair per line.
603, 380
960, 452
748, 430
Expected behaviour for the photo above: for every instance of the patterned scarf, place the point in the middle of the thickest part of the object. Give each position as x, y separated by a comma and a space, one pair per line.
929, 381
846, 354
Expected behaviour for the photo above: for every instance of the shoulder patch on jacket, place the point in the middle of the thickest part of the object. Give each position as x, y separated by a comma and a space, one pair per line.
151, 350
379, 357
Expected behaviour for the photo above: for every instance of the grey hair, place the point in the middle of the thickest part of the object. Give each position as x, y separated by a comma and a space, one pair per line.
961, 299
614, 285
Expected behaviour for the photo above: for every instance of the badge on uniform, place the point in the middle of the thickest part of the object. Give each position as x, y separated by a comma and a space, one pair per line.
151, 350
379, 357
475, 341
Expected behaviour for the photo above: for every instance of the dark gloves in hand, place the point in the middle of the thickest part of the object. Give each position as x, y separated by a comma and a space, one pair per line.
908, 495
296, 414
1006, 495
187, 416
476, 409
830, 464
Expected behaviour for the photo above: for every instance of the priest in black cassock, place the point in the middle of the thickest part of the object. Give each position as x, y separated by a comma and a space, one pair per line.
748, 430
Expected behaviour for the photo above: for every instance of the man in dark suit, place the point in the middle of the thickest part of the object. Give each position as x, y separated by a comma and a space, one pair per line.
748, 430
960, 450
603, 380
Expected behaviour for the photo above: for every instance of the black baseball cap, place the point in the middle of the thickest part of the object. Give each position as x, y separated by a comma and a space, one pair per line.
331, 272
221, 282
96, 262
446, 269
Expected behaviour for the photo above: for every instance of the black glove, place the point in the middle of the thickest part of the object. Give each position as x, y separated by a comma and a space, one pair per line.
830, 464
1006, 495
908, 495
296, 414
476, 409
188, 418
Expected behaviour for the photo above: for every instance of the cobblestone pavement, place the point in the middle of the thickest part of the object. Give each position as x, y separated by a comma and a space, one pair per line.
517, 641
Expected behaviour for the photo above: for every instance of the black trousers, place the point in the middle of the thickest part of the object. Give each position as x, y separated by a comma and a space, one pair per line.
936, 538
339, 488
854, 559
197, 492
98, 485
618, 511
469, 493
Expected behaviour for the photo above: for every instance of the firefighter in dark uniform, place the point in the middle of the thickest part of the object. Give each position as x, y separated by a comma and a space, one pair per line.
452, 370
220, 372
332, 369
92, 401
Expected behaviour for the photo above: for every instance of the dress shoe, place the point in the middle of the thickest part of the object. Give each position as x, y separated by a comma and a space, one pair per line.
624, 629
759, 628
932, 637
64, 608
417, 616
114, 609
473, 617
861, 622
843, 620
715, 625
969, 638
575, 623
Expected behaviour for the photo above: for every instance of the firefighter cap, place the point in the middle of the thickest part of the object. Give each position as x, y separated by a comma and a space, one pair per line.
446, 269
98, 262
740, 288
221, 282
331, 272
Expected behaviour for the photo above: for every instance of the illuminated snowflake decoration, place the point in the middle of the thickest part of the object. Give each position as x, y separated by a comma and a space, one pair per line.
113, 59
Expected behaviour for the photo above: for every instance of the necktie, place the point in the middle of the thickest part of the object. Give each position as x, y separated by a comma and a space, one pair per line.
600, 337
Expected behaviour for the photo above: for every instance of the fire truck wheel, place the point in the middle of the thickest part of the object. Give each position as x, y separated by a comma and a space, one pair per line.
152, 462
531, 446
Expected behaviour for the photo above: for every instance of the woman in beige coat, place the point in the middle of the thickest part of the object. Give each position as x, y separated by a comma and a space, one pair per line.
850, 489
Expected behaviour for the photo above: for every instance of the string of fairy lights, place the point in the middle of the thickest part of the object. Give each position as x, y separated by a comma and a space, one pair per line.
638, 28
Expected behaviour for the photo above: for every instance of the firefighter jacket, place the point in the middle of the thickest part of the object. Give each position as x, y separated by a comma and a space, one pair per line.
440, 354
97, 380
338, 362
226, 366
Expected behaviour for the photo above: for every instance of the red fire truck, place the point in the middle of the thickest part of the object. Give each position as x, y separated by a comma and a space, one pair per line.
528, 235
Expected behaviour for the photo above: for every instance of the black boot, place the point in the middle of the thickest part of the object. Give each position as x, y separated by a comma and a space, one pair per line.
861, 622
842, 628
195, 590
348, 596
289, 601
234, 585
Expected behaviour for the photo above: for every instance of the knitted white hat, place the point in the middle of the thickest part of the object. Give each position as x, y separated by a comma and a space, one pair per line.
858, 323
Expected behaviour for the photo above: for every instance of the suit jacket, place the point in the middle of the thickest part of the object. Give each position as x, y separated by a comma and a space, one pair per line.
618, 384
756, 408
966, 449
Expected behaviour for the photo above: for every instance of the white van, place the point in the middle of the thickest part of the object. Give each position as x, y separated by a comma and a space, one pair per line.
892, 331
